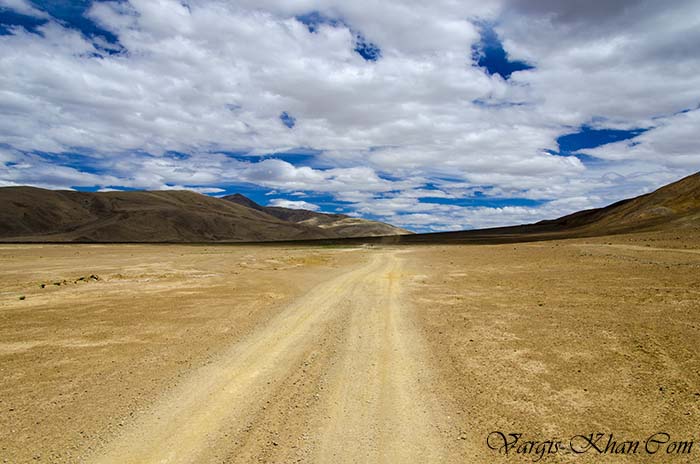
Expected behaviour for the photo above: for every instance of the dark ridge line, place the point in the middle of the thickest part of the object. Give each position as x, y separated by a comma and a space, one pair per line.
433, 238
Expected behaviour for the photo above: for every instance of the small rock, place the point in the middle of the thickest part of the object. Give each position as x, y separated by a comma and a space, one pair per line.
22, 297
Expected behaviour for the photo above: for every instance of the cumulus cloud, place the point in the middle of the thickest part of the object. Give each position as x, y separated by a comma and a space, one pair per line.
408, 210
202, 95
23, 7
618, 62
293, 204
673, 143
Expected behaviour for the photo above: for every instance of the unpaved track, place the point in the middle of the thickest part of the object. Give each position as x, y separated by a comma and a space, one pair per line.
374, 407
377, 411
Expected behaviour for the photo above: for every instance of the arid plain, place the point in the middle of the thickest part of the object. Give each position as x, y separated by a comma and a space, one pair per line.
415, 353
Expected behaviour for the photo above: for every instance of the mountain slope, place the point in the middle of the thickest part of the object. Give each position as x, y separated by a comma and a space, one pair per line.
669, 208
678, 202
33, 214
339, 225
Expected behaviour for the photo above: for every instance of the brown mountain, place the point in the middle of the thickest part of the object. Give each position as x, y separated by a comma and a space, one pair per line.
670, 207
33, 214
339, 225
673, 205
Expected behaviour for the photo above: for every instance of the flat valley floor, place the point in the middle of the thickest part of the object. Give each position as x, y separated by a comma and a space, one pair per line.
238, 354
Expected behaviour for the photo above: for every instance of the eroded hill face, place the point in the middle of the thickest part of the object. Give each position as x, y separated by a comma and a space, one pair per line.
33, 214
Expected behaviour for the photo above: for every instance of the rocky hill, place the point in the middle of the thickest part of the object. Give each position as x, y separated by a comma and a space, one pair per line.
39, 215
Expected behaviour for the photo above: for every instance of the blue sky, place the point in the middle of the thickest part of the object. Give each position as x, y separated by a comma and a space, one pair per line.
442, 116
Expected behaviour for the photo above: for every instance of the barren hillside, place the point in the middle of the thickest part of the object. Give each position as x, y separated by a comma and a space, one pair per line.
33, 214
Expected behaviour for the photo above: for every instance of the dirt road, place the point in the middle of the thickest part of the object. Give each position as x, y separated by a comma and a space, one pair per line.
364, 403
220, 354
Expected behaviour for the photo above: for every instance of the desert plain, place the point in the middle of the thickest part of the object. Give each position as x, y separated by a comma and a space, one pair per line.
339, 354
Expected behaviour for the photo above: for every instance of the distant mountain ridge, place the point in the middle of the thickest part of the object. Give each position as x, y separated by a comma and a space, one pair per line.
673, 206
669, 208
340, 225
38, 215
675, 203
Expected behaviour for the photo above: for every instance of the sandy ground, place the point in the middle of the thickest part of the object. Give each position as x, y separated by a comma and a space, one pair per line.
208, 354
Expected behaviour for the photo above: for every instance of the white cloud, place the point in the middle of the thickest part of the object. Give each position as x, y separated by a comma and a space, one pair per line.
293, 204
23, 7
210, 77
406, 211
674, 144
625, 61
